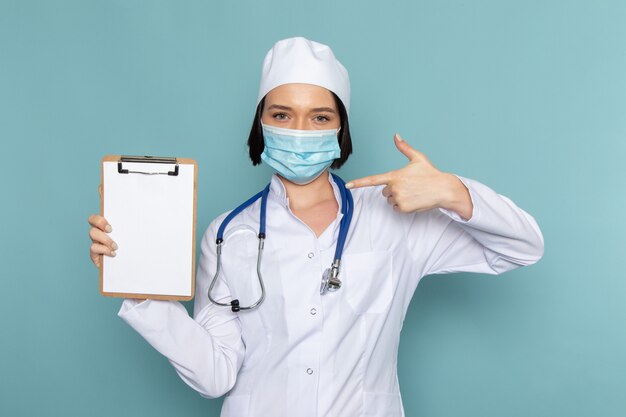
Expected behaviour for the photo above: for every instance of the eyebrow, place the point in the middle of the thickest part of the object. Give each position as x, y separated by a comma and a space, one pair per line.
316, 109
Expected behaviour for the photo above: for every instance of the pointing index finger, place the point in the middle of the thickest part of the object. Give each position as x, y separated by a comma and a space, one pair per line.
370, 181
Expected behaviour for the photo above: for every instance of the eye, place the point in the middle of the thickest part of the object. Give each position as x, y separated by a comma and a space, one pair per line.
322, 118
280, 116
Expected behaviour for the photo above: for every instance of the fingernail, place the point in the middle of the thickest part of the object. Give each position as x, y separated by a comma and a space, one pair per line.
113, 253
114, 246
349, 185
108, 228
399, 138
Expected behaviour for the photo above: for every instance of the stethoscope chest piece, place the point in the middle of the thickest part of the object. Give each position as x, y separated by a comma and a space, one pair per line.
330, 279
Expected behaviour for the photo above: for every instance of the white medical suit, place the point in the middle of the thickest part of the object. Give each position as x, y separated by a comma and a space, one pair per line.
305, 354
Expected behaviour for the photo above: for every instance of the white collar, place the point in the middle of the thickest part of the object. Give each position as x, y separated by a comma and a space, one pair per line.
278, 191
329, 236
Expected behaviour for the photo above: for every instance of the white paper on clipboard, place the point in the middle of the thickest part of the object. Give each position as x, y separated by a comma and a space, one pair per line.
153, 222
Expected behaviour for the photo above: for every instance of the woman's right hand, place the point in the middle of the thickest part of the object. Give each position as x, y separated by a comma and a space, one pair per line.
101, 244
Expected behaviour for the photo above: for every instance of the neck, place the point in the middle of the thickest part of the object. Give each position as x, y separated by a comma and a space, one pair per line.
308, 195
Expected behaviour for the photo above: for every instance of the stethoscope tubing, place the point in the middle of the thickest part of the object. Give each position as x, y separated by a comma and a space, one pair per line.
347, 206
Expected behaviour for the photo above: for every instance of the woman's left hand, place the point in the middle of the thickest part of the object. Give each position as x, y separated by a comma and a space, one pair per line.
419, 186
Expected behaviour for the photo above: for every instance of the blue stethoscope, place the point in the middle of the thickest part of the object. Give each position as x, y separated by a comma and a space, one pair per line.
330, 278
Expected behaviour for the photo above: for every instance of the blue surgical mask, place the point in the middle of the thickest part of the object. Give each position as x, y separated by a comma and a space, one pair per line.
299, 155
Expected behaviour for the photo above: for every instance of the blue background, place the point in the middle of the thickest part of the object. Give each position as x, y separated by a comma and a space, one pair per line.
528, 97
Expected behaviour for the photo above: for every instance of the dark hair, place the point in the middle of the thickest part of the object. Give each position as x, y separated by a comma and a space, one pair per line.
256, 143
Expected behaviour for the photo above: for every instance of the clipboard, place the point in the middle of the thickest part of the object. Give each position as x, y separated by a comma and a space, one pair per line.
150, 203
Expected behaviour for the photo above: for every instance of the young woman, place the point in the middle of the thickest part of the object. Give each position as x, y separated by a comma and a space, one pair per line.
305, 350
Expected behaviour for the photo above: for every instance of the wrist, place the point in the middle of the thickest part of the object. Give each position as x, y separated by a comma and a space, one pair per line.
457, 197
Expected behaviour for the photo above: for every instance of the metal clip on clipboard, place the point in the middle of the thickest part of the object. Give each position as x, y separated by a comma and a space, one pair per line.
148, 159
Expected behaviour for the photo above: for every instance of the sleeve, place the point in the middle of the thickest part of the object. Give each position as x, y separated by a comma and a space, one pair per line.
497, 238
207, 350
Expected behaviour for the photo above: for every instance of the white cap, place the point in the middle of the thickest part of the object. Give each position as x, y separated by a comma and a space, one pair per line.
299, 60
